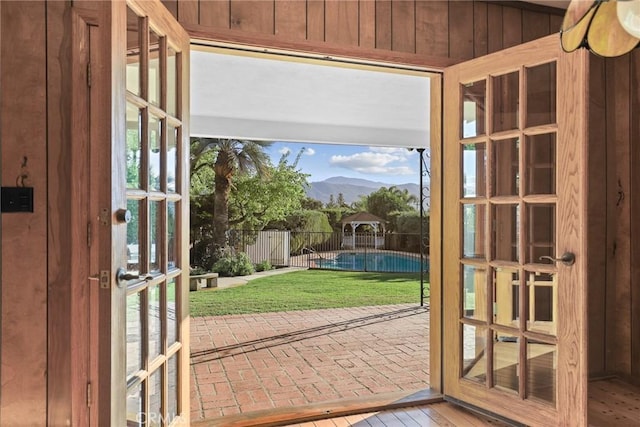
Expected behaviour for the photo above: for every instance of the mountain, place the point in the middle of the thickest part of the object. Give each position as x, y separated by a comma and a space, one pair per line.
352, 188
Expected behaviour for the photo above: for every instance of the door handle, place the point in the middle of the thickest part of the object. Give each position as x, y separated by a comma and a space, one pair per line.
123, 275
567, 258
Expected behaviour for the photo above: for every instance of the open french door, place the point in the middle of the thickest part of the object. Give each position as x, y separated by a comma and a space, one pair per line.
514, 265
144, 327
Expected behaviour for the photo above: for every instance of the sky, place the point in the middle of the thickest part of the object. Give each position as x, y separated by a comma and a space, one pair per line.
388, 165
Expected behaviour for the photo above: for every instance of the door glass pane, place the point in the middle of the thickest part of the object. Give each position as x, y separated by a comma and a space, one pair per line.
506, 358
541, 232
133, 52
155, 228
172, 314
506, 92
473, 109
155, 140
155, 398
172, 224
542, 362
133, 236
506, 175
135, 411
473, 231
541, 164
134, 146
506, 297
154, 68
474, 360
506, 223
474, 292
172, 77
541, 94
541, 302
134, 334
172, 398
154, 321
172, 158
474, 167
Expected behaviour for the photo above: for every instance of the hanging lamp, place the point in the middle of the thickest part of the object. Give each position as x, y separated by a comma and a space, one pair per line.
606, 27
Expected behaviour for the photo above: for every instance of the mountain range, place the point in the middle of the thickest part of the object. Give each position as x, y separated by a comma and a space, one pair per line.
353, 188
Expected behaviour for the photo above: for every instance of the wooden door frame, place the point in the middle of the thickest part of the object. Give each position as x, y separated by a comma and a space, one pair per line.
572, 105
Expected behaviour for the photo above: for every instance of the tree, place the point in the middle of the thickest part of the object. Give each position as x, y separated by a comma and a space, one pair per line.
232, 156
388, 203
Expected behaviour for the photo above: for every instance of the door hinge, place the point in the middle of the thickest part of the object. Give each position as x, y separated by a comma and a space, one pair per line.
89, 74
89, 394
89, 234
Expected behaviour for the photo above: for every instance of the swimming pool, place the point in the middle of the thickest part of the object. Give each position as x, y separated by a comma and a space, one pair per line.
382, 262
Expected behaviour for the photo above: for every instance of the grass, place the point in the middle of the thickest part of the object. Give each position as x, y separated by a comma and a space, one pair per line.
307, 290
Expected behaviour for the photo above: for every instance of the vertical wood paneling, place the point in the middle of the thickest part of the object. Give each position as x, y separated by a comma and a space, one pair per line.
23, 108
534, 25
480, 29
555, 22
432, 28
403, 28
188, 11
172, 6
383, 24
494, 30
214, 14
342, 22
253, 16
618, 213
291, 19
635, 214
367, 24
461, 29
511, 26
315, 20
597, 216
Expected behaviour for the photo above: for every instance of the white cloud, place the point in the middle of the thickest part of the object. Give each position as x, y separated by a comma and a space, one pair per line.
309, 151
373, 162
285, 151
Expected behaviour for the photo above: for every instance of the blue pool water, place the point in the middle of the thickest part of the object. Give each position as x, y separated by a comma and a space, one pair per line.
383, 262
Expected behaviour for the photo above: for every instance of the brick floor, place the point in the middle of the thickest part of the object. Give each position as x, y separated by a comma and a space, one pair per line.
243, 363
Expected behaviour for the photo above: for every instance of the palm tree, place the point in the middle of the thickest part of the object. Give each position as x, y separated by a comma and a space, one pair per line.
232, 156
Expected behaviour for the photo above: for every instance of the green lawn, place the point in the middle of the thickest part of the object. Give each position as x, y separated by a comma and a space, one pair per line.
309, 289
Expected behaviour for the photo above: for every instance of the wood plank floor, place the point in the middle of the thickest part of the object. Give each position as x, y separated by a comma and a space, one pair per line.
613, 402
434, 414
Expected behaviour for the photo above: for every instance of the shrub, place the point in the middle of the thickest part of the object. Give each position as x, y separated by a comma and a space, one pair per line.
264, 266
233, 264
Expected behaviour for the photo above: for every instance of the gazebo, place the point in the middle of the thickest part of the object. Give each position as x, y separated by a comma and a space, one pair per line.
356, 220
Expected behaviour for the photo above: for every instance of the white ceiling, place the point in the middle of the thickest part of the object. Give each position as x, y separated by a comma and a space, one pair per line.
267, 97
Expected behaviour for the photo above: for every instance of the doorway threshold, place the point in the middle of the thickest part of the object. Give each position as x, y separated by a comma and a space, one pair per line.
329, 409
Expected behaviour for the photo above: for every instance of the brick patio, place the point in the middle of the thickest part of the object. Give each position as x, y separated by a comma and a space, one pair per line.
243, 363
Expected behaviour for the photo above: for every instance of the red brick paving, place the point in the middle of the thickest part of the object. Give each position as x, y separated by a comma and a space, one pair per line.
243, 363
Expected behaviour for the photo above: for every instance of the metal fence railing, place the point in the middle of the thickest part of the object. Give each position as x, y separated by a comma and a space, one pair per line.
391, 252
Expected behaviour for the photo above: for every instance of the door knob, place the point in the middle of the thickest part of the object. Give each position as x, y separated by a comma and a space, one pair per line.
567, 258
123, 275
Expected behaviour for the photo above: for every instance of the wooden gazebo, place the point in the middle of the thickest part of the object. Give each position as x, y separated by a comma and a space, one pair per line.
358, 219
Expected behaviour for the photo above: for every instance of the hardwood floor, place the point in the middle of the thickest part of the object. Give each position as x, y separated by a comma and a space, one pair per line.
613, 402
434, 414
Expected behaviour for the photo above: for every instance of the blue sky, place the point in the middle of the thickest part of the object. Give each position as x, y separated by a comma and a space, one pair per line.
322, 161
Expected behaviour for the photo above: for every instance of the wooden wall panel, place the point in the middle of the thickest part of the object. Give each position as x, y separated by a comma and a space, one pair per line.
315, 20
368, 24
461, 29
494, 31
635, 215
383, 24
534, 25
432, 28
511, 27
23, 108
291, 19
342, 22
480, 29
253, 16
618, 215
597, 221
188, 11
214, 14
403, 26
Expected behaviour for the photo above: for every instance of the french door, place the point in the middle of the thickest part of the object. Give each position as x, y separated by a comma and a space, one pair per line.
514, 336
149, 348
